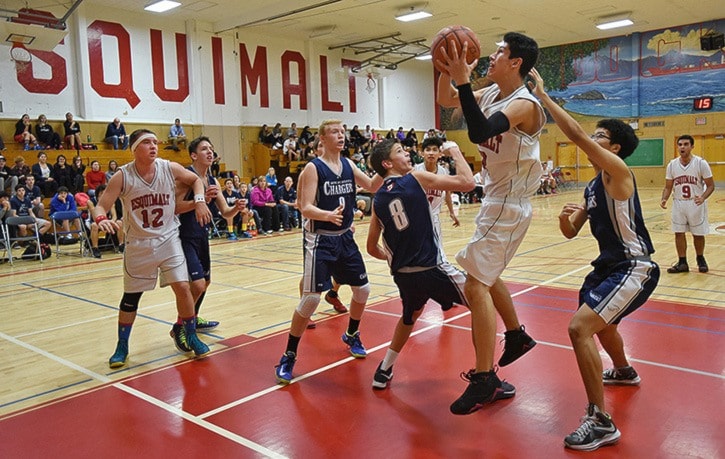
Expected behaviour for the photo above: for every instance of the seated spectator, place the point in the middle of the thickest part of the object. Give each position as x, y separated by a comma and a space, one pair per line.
4, 206
20, 170
263, 202
95, 177
7, 179
237, 224
64, 202
33, 193
24, 133
93, 226
176, 135
305, 138
287, 199
391, 134
21, 207
356, 138
116, 135
277, 135
411, 139
215, 167
400, 135
2, 144
45, 134
271, 179
77, 175
265, 135
256, 222
290, 148
368, 137
237, 182
42, 172
291, 131
548, 182
62, 173
72, 134
112, 169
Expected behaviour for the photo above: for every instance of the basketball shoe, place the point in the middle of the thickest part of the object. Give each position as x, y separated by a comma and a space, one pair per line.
178, 334
702, 264
625, 376
203, 324
283, 371
119, 357
356, 346
597, 430
195, 344
483, 387
516, 343
382, 378
332, 298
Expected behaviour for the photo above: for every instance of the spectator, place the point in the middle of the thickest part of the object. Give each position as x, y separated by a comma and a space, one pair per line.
305, 138
72, 132
64, 202
356, 138
250, 212
116, 135
391, 134
2, 144
4, 206
263, 202
277, 135
21, 207
112, 169
368, 137
271, 179
236, 223
411, 139
265, 135
287, 199
77, 175
176, 135
95, 177
93, 226
291, 152
45, 134
43, 175
400, 135
215, 167
237, 182
548, 182
24, 133
7, 179
33, 193
292, 130
255, 181
20, 170
62, 173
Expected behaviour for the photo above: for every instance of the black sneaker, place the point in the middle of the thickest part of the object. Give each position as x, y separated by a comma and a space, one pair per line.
178, 334
678, 268
702, 264
382, 377
516, 343
597, 430
483, 387
96, 252
625, 376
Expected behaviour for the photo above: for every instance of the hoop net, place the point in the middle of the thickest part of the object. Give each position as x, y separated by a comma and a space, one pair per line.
21, 56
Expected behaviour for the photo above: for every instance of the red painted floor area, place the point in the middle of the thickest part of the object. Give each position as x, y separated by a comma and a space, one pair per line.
228, 405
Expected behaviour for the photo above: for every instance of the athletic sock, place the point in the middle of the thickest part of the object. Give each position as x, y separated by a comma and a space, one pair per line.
352, 326
189, 325
124, 331
244, 227
389, 360
230, 229
683, 261
292, 343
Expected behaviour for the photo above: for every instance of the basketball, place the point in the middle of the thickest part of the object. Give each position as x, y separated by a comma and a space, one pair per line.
454, 37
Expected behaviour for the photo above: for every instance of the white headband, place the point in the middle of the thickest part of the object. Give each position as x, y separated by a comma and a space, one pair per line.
143, 137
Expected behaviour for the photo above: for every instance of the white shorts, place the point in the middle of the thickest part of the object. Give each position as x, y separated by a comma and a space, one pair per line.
144, 258
688, 216
500, 228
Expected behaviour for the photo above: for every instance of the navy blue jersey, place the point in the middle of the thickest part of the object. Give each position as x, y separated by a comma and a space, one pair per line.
401, 206
333, 190
618, 226
190, 228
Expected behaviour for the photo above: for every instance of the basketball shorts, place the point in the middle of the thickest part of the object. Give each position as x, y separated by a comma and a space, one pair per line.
615, 291
688, 216
198, 258
501, 225
443, 284
331, 256
144, 259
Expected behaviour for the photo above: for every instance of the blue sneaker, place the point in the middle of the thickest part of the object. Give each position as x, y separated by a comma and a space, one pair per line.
203, 324
178, 334
195, 344
232, 236
245, 235
283, 371
356, 346
118, 359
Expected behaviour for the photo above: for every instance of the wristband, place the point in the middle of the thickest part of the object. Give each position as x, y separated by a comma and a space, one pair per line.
199, 198
100, 218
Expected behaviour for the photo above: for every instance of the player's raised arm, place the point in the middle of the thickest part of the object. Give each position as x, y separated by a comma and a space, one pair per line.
462, 181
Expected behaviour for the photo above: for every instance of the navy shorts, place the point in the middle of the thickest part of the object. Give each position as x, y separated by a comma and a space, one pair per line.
327, 257
615, 291
443, 284
198, 259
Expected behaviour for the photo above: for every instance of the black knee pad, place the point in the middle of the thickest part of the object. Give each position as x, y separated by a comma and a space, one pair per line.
129, 302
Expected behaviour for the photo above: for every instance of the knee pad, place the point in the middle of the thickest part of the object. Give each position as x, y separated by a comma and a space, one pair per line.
129, 302
308, 304
360, 293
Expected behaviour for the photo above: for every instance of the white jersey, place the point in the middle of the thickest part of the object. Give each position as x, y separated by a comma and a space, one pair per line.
512, 158
149, 208
688, 181
435, 197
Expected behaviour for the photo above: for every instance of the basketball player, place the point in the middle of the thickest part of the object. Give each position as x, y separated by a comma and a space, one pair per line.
412, 246
146, 188
692, 180
327, 203
505, 120
431, 154
624, 275
194, 237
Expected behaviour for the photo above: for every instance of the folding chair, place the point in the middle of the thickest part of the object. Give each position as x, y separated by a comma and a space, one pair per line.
11, 222
4, 242
74, 219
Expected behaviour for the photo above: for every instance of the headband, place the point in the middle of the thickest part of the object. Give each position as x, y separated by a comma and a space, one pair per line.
143, 137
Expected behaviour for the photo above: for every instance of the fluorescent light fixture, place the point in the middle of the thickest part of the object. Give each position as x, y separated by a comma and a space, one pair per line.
413, 14
162, 5
612, 22
424, 57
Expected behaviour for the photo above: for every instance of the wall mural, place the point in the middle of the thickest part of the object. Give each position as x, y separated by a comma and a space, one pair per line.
648, 74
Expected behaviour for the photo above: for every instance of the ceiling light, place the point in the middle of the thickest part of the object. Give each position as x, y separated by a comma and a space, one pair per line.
162, 5
412, 14
612, 22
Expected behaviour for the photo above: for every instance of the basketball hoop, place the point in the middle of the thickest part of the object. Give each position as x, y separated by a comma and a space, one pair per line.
21, 56
370, 83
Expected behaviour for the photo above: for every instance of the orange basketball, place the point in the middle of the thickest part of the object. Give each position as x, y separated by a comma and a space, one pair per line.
454, 37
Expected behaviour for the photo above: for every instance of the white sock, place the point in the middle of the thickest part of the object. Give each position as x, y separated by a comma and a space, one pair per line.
390, 357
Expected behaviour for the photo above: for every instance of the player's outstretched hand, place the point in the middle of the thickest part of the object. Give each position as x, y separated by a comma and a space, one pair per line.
108, 226
203, 214
537, 84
